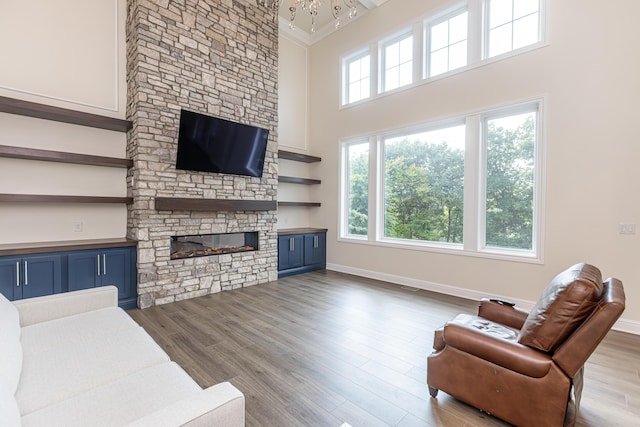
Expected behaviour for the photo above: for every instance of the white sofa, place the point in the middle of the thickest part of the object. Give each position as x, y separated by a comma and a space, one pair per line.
76, 359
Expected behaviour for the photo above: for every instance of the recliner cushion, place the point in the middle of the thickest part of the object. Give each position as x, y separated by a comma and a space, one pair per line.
564, 305
495, 343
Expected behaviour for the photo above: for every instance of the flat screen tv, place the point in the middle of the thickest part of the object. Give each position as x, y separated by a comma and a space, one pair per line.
211, 144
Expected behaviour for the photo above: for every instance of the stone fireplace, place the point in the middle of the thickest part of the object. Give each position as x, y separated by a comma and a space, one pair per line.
218, 58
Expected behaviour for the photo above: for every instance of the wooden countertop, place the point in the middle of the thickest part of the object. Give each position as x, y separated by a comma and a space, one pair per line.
69, 245
304, 230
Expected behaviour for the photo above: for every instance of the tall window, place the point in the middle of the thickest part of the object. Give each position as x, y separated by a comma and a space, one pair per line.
397, 62
512, 24
448, 44
357, 78
356, 188
509, 189
424, 185
468, 184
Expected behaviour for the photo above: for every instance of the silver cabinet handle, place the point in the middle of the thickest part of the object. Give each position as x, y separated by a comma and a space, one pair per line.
18, 273
26, 273
104, 264
98, 264
292, 244
315, 242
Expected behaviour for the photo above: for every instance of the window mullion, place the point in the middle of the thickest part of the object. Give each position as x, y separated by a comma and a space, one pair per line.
373, 186
380, 67
513, 23
539, 184
374, 67
418, 51
378, 191
344, 189
344, 81
474, 32
471, 183
481, 231
426, 50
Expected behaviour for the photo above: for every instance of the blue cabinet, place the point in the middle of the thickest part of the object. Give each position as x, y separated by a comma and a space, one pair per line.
91, 268
290, 252
33, 275
301, 252
10, 277
84, 269
30, 276
315, 252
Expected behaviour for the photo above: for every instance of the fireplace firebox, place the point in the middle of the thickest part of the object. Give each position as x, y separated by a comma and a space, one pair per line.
212, 244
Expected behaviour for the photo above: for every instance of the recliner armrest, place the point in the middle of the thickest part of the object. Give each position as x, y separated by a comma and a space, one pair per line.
496, 344
507, 315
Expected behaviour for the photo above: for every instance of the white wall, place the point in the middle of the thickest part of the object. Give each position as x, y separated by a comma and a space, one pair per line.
70, 54
292, 128
588, 74
292, 93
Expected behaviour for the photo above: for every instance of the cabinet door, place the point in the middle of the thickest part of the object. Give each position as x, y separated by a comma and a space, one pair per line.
290, 251
116, 270
315, 248
42, 275
83, 269
9, 278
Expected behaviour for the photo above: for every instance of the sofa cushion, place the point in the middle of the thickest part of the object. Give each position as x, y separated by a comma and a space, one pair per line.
79, 326
9, 413
65, 365
10, 347
56, 306
565, 304
121, 401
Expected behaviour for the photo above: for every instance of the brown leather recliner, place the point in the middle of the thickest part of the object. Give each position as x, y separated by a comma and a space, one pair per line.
527, 368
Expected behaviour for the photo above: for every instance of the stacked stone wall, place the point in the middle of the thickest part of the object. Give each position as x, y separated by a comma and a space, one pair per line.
215, 57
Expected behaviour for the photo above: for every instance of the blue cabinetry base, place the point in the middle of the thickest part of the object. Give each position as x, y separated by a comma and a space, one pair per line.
51, 272
300, 270
301, 250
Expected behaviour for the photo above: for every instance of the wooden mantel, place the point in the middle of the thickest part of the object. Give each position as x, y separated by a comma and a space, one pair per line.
189, 204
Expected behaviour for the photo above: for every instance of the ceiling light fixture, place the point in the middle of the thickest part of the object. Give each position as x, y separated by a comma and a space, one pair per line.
311, 7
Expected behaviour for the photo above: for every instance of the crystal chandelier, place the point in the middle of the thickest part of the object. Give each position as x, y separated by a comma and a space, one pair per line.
311, 7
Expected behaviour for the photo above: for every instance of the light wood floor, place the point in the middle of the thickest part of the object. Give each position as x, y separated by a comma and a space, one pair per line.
324, 348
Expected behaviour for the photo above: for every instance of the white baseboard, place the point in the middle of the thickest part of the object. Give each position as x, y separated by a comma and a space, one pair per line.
622, 325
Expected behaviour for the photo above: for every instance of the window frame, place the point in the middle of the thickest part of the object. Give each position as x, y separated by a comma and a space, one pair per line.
345, 75
381, 172
382, 69
542, 20
477, 48
434, 21
474, 202
538, 174
344, 185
